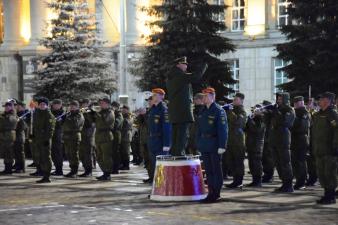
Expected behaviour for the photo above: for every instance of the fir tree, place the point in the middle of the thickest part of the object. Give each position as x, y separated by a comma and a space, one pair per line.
189, 28
75, 67
312, 47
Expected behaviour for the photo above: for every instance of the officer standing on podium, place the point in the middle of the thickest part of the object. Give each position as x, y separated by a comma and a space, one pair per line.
212, 135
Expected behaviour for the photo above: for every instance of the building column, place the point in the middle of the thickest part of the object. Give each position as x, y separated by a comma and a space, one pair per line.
131, 33
12, 37
38, 14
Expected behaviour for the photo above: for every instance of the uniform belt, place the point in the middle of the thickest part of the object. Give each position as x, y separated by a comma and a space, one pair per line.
209, 135
155, 135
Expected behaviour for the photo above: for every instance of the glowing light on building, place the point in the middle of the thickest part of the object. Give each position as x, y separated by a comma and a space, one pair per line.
25, 23
256, 18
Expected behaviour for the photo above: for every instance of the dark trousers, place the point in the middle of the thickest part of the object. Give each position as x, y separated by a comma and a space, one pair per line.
213, 170
298, 162
57, 150
268, 162
179, 139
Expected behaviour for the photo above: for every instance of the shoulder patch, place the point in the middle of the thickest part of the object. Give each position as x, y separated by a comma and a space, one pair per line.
334, 123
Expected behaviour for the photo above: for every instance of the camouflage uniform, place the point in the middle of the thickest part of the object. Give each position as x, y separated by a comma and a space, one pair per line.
282, 120
72, 127
126, 137
8, 124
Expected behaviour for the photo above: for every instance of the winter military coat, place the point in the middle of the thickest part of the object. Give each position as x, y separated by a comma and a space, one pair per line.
22, 127
325, 132
127, 128
72, 126
43, 125
236, 121
255, 133
8, 124
300, 129
180, 93
118, 127
104, 126
88, 130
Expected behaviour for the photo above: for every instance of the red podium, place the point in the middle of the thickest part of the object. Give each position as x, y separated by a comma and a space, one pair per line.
178, 179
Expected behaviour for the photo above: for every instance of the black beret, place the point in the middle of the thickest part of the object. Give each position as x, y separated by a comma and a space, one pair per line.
105, 99
265, 103
115, 104
8, 104
125, 107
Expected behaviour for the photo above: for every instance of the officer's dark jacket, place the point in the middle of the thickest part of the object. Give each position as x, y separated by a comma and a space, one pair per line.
237, 120
212, 132
104, 126
159, 128
88, 130
43, 125
8, 124
58, 124
325, 132
72, 126
118, 127
180, 93
283, 116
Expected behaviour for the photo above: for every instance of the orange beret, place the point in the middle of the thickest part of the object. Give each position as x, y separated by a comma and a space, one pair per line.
209, 90
158, 91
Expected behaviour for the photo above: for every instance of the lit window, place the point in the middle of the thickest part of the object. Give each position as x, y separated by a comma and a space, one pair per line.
1, 22
283, 16
238, 18
234, 69
279, 75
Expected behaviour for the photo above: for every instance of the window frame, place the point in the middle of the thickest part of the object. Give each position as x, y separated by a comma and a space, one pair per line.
238, 19
284, 79
286, 17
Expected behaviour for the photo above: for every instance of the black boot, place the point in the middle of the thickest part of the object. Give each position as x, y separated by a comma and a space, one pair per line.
267, 178
58, 172
285, 188
311, 181
32, 165
299, 185
45, 179
71, 174
7, 170
148, 181
329, 197
20, 168
104, 177
256, 182
237, 183
37, 173
87, 173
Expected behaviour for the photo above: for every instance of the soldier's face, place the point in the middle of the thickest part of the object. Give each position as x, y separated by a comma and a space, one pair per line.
324, 103
198, 101
104, 105
43, 106
56, 106
238, 101
279, 100
19, 108
73, 108
9, 108
298, 104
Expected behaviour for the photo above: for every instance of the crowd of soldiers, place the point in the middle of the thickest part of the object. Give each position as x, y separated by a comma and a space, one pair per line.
52, 134
300, 142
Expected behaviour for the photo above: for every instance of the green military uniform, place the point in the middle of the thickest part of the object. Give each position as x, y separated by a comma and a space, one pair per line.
310, 159
192, 148
8, 124
143, 132
43, 128
104, 141
57, 145
268, 162
117, 140
87, 142
72, 127
325, 148
255, 132
236, 144
180, 106
19, 144
126, 137
282, 120
300, 144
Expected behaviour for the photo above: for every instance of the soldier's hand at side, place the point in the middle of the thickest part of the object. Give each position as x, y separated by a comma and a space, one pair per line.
166, 149
221, 151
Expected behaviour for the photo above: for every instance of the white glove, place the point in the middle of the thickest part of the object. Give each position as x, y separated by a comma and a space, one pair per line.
221, 151
166, 149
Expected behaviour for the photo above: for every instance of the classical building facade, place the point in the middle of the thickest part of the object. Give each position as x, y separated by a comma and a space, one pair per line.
252, 25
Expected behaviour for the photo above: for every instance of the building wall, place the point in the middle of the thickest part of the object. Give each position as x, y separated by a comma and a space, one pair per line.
255, 44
